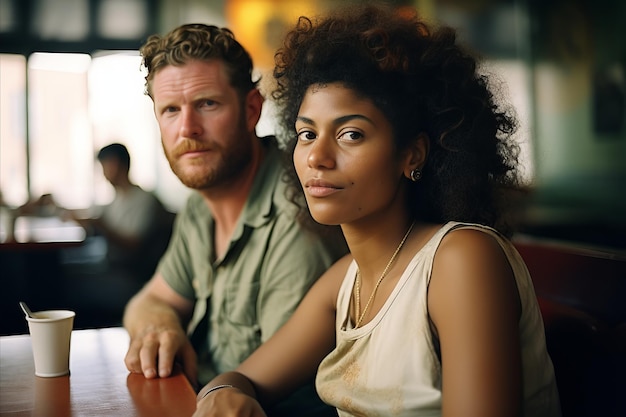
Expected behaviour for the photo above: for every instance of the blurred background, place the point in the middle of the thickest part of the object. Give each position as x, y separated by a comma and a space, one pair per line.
71, 82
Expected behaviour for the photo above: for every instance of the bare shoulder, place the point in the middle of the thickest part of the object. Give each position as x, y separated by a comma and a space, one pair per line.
471, 258
474, 305
467, 244
474, 264
339, 268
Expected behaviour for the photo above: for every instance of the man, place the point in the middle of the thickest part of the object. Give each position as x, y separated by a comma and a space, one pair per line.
133, 216
133, 219
238, 262
126, 239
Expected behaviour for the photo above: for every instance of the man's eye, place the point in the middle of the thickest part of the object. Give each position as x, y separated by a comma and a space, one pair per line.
306, 135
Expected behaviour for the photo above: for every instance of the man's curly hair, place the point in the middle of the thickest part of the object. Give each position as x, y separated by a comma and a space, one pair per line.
423, 82
202, 43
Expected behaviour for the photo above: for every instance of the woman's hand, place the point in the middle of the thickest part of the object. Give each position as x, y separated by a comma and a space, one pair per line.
228, 402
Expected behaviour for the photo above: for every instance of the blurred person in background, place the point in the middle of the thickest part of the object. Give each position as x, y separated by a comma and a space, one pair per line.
125, 240
43, 206
134, 227
132, 221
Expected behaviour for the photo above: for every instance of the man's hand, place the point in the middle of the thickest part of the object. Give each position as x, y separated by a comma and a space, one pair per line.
154, 351
155, 319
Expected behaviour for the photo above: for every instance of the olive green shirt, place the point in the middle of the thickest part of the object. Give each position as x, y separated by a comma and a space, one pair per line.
249, 293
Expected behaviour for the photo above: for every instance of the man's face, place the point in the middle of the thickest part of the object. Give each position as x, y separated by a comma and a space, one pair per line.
205, 131
110, 170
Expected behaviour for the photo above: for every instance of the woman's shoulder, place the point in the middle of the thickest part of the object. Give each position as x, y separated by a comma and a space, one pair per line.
329, 283
473, 243
459, 234
472, 260
337, 271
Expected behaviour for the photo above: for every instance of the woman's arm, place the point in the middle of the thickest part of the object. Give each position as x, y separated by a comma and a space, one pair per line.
475, 307
286, 361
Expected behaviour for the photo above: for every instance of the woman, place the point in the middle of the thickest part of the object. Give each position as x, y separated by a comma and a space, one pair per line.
400, 142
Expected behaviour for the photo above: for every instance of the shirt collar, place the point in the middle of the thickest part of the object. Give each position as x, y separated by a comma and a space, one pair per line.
260, 203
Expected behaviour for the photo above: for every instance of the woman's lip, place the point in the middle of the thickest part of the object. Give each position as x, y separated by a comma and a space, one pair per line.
318, 191
319, 188
316, 182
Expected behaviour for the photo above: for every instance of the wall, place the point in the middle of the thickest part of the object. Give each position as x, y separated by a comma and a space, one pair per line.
579, 64
574, 56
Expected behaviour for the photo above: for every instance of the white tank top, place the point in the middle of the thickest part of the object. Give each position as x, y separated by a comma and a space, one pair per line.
389, 366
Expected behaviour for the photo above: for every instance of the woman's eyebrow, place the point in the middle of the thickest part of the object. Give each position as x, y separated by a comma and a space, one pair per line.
350, 117
305, 120
337, 121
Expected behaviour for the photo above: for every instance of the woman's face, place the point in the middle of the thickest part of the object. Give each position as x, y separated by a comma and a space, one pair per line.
345, 156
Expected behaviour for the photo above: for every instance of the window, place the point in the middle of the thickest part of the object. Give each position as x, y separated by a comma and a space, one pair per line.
61, 150
13, 180
77, 104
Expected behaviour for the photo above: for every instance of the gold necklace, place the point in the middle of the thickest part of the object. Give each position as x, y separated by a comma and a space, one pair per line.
357, 286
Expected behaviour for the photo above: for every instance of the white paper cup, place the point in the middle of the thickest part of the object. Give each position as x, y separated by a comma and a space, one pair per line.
50, 333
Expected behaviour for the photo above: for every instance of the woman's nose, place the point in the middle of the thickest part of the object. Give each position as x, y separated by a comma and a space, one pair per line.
191, 125
322, 153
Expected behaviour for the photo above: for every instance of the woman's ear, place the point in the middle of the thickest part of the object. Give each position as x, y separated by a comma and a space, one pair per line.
416, 155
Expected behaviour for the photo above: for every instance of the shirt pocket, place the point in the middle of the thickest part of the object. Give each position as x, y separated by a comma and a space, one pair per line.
240, 303
240, 332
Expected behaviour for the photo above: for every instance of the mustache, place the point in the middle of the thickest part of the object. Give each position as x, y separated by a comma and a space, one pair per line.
188, 146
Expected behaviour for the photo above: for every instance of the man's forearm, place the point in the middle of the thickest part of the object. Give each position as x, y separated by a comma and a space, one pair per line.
148, 312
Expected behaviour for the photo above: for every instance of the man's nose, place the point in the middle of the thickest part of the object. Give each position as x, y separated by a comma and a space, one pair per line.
191, 124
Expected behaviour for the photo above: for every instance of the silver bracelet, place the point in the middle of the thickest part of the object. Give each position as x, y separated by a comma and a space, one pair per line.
215, 388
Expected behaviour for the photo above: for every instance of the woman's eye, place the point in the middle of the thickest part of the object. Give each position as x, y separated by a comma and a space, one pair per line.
306, 135
350, 136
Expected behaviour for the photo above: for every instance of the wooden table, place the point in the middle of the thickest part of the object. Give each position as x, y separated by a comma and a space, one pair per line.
98, 384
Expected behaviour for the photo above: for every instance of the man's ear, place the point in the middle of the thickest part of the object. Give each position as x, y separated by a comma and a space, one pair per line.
416, 154
253, 107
